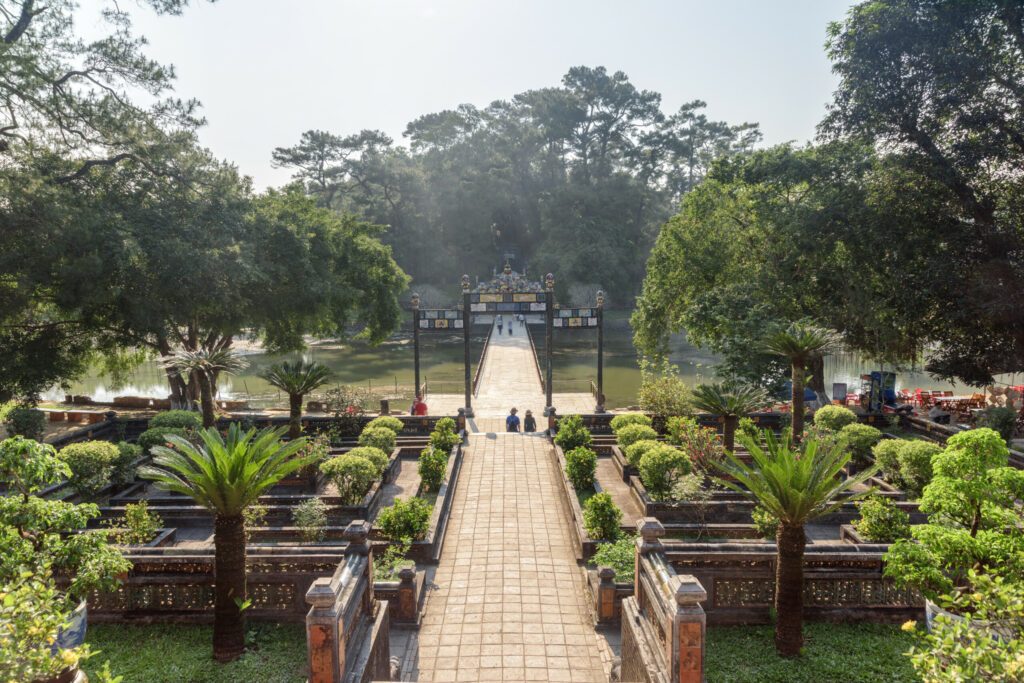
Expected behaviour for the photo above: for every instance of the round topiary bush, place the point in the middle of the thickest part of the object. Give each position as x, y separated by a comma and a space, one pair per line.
408, 518
444, 437
858, 440
634, 452
375, 455
387, 422
352, 475
881, 521
572, 433
378, 437
91, 464
886, 454
23, 420
432, 466
915, 462
601, 517
182, 419
580, 466
124, 464
834, 418
158, 436
661, 468
630, 434
620, 421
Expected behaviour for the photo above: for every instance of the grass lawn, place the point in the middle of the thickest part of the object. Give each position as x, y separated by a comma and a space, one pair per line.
852, 653
182, 653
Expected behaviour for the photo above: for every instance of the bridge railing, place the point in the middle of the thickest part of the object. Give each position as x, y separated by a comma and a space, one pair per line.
478, 373
536, 359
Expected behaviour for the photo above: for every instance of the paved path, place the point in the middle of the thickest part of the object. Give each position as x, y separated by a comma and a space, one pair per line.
507, 602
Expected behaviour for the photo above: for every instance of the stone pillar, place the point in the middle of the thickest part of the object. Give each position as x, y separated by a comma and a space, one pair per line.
689, 629
649, 531
407, 594
357, 533
605, 607
325, 636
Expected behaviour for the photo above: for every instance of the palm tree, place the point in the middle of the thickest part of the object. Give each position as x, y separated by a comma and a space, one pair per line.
205, 364
795, 485
296, 379
730, 403
226, 475
799, 343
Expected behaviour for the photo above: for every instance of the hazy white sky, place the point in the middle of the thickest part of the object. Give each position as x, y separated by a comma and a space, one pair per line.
266, 70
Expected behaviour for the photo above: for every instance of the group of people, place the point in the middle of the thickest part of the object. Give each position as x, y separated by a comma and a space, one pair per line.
521, 319
512, 423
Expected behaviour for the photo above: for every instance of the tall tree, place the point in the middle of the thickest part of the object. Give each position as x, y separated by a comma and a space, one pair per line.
296, 379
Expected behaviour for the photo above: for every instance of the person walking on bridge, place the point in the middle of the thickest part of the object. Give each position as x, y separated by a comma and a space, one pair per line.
499, 325
512, 421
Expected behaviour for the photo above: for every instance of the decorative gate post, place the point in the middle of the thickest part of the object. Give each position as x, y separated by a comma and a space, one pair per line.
416, 342
467, 317
549, 312
600, 352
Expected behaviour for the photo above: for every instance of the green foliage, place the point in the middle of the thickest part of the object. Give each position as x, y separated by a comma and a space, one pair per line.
124, 464
178, 419
91, 464
379, 458
580, 466
834, 418
728, 400
297, 378
635, 451
572, 433
661, 391
311, 517
407, 518
601, 517
986, 645
881, 521
623, 419
661, 469
620, 556
630, 434
28, 466
23, 420
701, 444
766, 524
139, 525
907, 464
392, 560
159, 436
351, 475
433, 464
388, 422
1002, 420
378, 437
749, 428
858, 440
253, 517
444, 437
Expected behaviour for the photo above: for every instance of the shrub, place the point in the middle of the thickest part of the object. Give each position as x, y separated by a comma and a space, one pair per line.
407, 518
318, 446
180, 419
392, 560
630, 434
858, 440
580, 466
881, 521
158, 436
140, 525
255, 515
91, 463
661, 469
375, 455
1002, 420
444, 437
24, 420
352, 475
634, 452
834, 418
701, 444
433, 465
572, 433
661, 391
620, 556
749, 429
378, 437
124, 464
887, 455
601, 517
311, 517
387, 422
766, 524
915, 465
620, 421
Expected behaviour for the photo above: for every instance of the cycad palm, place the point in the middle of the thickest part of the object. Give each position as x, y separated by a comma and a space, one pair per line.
730, 403
799, 343
226, 475
205, 364
296, 379
795, 485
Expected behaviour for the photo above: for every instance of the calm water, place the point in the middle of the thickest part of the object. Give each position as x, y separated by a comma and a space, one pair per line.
388, 369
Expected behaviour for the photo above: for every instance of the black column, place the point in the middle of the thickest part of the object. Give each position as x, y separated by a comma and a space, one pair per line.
416, 342
467, 318
549, 311
600, 353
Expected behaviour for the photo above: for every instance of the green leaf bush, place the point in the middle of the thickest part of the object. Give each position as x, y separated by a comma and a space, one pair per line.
352, 475
580, 466
387, 422
572, 433
766, 524
378, 437
92, 465
858, 440
157, 436
23, 420
700, 444
748, 428
906, 464
661, 469
124, 464
834, 418
139, 524
601, 517
630, 434
1001, 419
444, 437
407, 518
310, 516
620, 556
881, 521
433, 464
635, 451
379, 458
179, 419
620, 421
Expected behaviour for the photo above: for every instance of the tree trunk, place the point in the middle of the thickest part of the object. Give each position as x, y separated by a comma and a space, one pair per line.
206, 400
789, 590
295, 415
798, 402
179, 390
229, 574
729, 432
816, 379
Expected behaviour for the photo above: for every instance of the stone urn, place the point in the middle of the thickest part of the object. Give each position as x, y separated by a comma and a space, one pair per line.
73, 635
75, 675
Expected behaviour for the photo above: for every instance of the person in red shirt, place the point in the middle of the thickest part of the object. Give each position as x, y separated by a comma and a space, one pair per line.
419, 407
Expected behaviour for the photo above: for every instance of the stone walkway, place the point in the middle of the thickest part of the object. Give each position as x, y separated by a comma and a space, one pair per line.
507, 602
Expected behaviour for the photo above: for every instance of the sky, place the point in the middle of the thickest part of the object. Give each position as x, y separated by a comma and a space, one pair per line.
267, 70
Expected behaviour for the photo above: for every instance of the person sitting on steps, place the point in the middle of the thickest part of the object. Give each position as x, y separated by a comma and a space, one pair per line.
512, 421
529, 423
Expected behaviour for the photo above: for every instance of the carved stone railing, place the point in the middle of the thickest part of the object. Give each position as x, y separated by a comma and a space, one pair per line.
346, 629
663, 624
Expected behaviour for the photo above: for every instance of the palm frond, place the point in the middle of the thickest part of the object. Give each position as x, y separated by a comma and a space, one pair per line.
720, 399
801, 340
299, 377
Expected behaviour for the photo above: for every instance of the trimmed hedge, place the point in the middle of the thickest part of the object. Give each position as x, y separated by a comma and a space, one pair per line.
181, 419
620, 421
